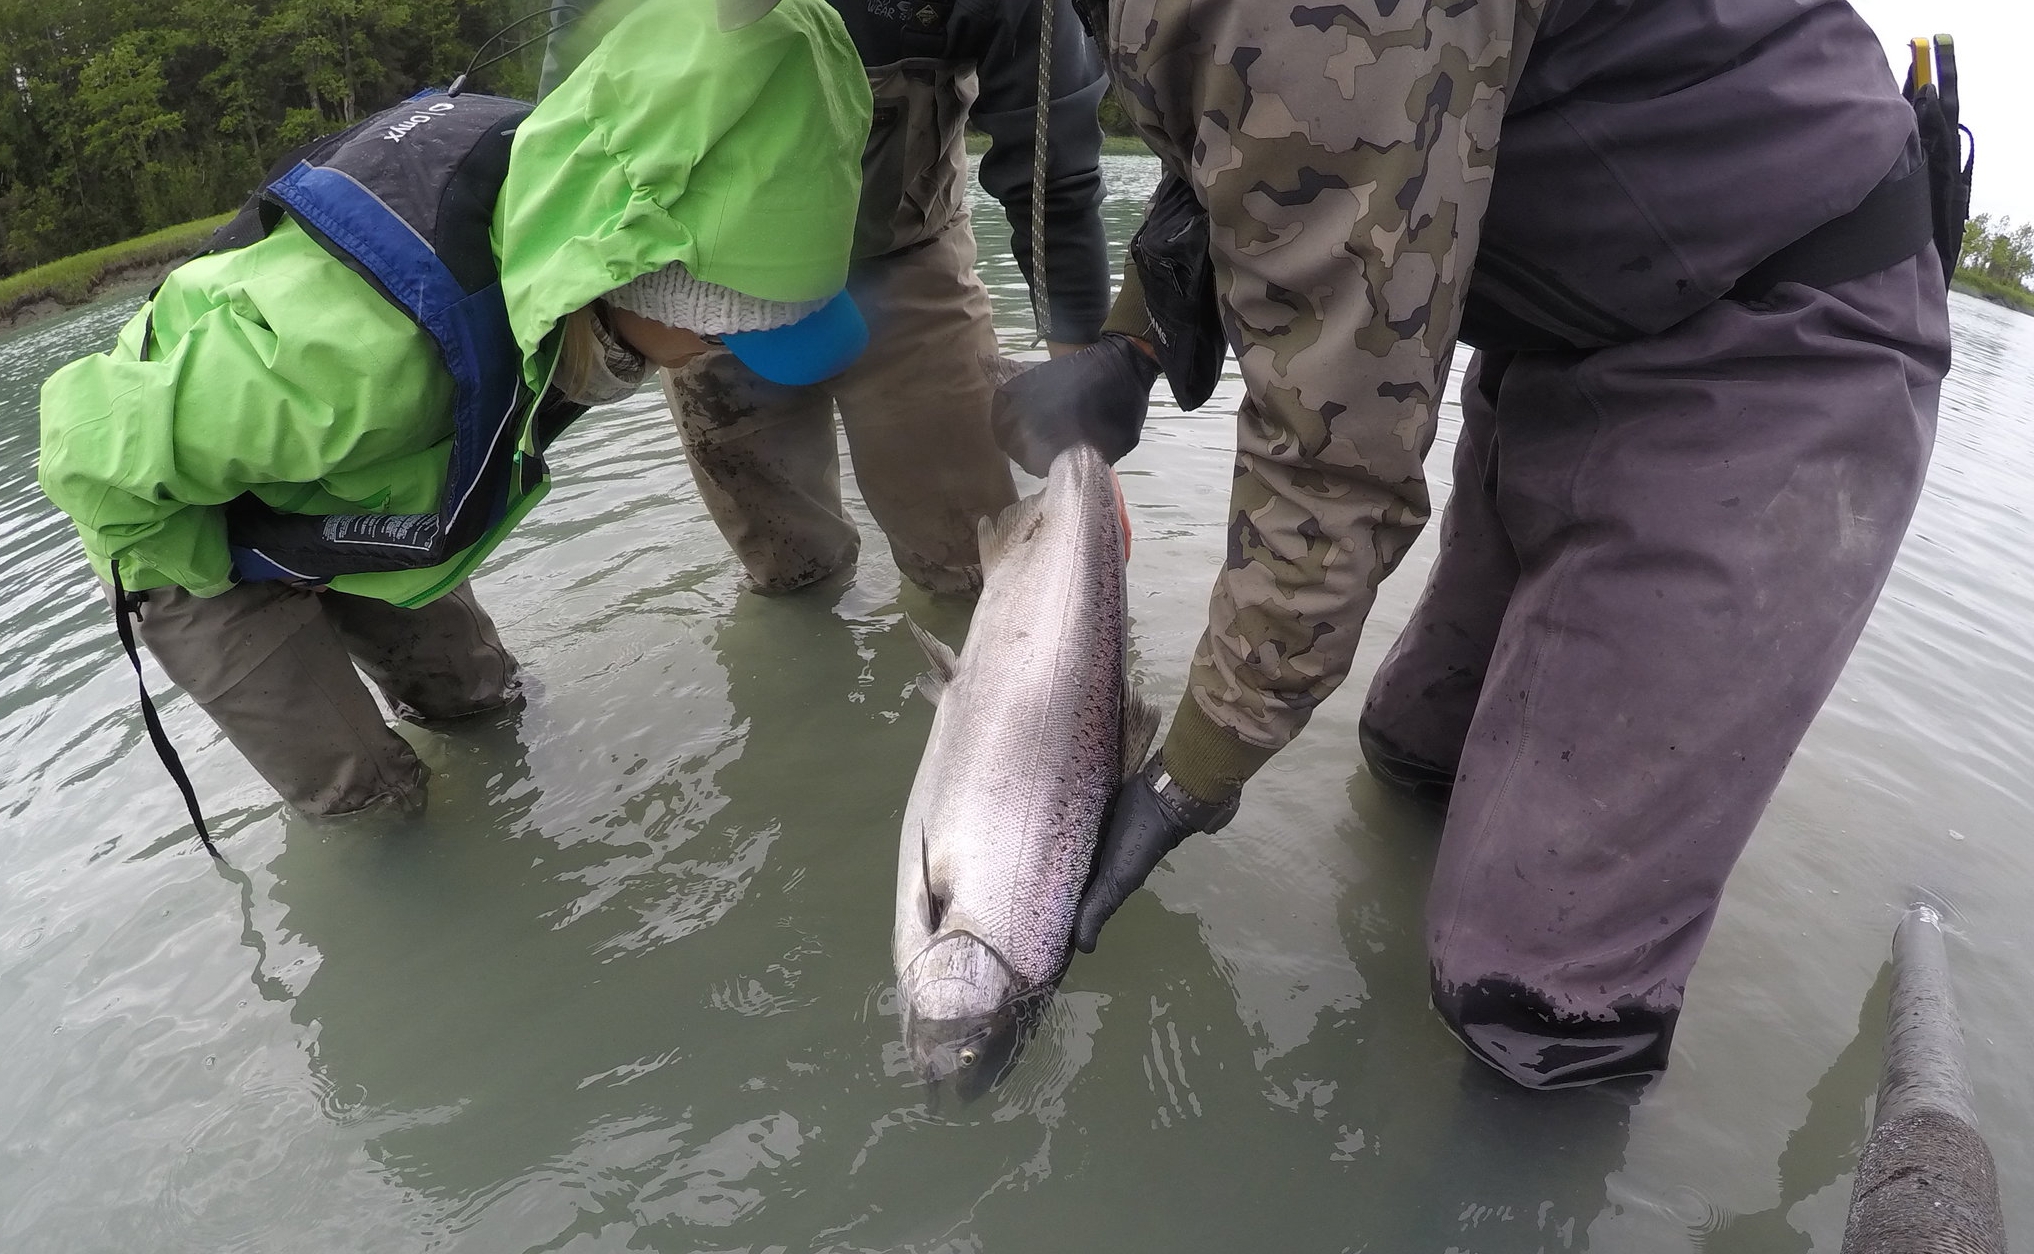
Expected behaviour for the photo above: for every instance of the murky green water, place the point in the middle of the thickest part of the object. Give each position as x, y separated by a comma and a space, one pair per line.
626, 986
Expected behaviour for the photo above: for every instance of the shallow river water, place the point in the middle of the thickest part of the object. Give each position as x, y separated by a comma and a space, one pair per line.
626, 986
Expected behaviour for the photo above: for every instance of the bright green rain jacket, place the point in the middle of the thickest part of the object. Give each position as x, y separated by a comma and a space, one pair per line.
275, 369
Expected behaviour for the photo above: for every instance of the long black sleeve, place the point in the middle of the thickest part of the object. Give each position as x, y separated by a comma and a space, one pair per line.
1005, 36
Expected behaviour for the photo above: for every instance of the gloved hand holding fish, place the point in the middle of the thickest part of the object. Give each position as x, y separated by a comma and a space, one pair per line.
1036, 728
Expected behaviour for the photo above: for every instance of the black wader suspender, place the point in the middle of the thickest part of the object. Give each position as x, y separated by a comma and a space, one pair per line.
123, 605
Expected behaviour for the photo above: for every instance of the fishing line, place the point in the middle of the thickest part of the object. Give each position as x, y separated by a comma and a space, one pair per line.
475, 65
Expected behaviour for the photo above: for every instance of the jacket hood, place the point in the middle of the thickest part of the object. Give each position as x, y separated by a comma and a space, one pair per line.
734, 148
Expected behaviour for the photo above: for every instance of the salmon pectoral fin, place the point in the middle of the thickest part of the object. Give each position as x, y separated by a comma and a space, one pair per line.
933, 683
1140, 728
1122, 511
933, 905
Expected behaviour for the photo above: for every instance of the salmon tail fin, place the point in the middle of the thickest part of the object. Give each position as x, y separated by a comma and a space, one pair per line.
1012, 527
933, 682
1140, 728
1122, 511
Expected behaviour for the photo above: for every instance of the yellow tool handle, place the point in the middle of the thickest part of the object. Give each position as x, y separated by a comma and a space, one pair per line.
1924, 61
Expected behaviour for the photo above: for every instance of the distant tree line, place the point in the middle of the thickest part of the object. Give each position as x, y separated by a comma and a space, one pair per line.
1998, 251
125, 116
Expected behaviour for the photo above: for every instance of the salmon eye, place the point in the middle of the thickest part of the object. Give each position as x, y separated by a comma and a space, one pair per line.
968, 1057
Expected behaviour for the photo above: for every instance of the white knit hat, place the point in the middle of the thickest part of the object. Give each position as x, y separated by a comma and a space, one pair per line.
676, 299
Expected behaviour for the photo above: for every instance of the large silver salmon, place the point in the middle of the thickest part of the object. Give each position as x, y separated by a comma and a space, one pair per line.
1036, 726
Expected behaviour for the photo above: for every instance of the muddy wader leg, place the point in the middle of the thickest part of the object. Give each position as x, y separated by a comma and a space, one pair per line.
916, 409
767, 462
440, 661
1702, 522
1423, 696
267, 665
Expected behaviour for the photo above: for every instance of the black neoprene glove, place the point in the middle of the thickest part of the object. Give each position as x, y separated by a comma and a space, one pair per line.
1096, 395
1150, 817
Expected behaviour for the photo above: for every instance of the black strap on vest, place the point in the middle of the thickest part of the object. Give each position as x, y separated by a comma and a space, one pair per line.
125, 603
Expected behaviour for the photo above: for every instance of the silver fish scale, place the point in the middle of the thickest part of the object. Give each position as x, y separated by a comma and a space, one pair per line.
1025, 750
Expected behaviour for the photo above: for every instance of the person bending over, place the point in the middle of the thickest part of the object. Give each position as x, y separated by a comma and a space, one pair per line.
304, 442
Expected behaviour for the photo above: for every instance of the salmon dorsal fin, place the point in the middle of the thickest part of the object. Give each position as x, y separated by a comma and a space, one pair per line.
933, 683
1009, 529
1140, 728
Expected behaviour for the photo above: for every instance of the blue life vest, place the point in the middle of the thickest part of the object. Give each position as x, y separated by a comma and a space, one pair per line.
406, 199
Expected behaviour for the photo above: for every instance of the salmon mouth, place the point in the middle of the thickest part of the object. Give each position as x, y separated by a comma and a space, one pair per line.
973, 1054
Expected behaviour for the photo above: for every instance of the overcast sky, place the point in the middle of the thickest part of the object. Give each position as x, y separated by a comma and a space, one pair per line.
1995, 70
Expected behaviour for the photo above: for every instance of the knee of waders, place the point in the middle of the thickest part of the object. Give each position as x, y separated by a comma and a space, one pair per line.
455, 701
779, 576
393, 785
1516, 1030
962, 581
1422, 780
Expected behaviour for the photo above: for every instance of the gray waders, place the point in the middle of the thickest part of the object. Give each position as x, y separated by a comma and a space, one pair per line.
274, 667
1655, 563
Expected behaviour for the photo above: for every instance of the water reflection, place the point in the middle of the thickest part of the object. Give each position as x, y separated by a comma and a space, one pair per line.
549, 1029
1459, 1158
1823, 1152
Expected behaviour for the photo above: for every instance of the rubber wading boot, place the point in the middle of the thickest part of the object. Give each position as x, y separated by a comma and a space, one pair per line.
1423, 781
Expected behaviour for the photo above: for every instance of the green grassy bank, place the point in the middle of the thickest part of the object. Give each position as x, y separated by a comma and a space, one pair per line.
75, 280
2011, 295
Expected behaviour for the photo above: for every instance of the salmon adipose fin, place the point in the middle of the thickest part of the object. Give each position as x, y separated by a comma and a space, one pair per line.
933, 682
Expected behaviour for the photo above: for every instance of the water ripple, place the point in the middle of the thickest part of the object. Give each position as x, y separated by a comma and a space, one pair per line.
625, 984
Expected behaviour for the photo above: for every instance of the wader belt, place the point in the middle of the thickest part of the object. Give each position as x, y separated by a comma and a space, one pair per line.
1901, 216
1890, 225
